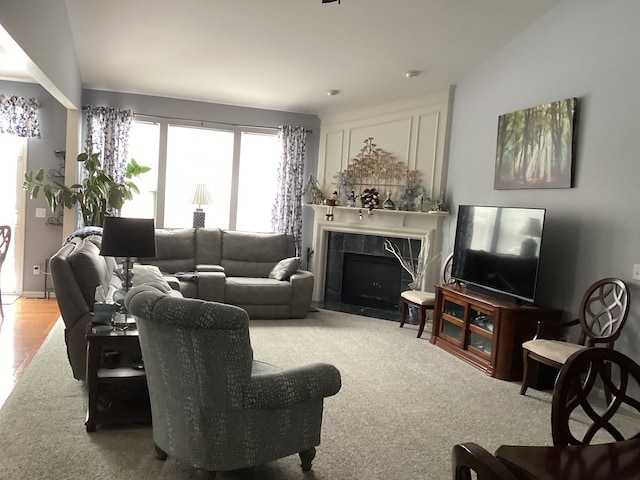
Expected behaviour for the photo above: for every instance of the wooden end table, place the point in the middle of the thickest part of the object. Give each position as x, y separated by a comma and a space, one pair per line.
116, 389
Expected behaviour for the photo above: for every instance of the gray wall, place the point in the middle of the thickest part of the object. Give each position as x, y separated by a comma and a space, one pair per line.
41, 240
586, 49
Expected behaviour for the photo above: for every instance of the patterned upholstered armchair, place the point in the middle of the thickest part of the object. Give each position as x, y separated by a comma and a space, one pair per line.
213, 406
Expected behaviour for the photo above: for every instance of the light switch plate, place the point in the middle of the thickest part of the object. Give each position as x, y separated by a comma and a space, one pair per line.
636, 272
41, 212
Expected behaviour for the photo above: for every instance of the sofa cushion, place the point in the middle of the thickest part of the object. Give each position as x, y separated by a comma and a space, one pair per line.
89, 268
209, 246
175, 250
253, 254
285, 268
256, 291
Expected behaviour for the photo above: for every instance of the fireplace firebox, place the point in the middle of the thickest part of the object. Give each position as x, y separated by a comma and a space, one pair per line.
371, 281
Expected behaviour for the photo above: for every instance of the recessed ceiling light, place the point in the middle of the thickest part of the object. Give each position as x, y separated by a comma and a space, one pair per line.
411, 73
333, 92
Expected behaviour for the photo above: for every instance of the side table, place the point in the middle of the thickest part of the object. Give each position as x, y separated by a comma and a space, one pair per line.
116, 390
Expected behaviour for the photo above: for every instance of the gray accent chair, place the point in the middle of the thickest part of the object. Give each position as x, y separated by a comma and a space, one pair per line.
213, 406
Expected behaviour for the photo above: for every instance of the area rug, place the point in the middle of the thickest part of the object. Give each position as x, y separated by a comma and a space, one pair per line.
404, 403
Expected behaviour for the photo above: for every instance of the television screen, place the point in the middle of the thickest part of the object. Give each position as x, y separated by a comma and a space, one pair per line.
498, 248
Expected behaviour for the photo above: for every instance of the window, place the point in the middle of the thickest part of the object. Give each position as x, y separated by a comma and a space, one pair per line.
198, 155
144, 144
238, 166
257, 183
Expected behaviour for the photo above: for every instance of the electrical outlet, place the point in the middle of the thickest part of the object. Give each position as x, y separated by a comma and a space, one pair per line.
41, 212
36, 269
636, 272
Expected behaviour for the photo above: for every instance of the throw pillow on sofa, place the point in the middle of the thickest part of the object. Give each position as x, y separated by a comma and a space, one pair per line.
149, 274
285, 268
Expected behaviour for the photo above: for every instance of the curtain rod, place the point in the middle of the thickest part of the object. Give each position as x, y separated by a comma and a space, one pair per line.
202, 122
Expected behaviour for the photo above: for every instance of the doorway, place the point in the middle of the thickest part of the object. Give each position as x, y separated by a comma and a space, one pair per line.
13, 151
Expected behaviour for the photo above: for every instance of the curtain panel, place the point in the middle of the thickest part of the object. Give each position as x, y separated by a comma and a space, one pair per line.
19, 116
287, 209
108, 134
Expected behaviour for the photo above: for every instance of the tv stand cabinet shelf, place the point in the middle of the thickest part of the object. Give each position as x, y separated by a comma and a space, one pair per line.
485, 331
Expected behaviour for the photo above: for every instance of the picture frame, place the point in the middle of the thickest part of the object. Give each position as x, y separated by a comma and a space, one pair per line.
536, 147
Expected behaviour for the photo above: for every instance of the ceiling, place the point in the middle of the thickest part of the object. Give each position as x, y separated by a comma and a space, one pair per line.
286, 54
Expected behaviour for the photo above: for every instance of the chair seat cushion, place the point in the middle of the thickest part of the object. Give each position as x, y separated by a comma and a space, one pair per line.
555, 350
419, 298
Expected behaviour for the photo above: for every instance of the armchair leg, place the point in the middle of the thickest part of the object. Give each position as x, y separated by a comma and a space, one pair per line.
307, 457
160, 454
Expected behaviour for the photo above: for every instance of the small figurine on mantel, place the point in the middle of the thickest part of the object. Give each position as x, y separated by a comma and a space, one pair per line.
330, 203
351, 198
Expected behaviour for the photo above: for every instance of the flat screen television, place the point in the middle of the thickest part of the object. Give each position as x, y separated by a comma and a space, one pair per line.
498, 249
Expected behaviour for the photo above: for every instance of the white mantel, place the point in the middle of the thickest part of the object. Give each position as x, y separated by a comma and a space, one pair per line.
391, 223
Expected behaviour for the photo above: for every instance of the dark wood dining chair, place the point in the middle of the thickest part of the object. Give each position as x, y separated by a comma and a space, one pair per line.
595, 427
423, 301
5, 240
603, 313
469, 460
596, 398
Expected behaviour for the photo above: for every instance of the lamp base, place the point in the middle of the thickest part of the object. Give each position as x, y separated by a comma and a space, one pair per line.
198, 218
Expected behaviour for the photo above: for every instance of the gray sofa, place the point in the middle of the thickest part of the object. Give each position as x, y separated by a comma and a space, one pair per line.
234, 267
78, 268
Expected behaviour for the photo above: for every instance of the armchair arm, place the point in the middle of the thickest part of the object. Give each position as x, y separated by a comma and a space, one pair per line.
551, 330
276, 390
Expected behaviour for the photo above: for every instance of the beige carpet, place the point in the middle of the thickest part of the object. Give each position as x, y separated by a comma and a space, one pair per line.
404, 403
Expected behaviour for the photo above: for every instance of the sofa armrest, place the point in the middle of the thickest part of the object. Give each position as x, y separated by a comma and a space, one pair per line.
211, 286
209, 268
276, 390
302, 291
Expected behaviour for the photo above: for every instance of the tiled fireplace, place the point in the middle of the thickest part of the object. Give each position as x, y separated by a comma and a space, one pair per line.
355, 232
359, 271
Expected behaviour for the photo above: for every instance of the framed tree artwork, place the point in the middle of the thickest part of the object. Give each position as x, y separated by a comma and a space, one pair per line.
535, 147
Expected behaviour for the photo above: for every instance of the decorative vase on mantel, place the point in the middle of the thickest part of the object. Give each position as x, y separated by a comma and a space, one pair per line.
388, 203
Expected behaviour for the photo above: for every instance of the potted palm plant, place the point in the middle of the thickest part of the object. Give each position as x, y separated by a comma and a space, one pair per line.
97, 195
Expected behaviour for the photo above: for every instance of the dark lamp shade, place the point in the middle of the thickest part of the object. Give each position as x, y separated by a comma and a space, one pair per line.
128, 237
533, 228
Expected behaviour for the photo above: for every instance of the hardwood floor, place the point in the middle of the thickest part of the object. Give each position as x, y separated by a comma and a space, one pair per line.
26, 324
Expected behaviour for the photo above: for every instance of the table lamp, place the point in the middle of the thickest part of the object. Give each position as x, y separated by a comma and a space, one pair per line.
532, 229
128, 237
200, 197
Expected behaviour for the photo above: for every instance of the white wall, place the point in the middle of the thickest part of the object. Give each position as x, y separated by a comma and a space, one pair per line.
586, 49
414, 131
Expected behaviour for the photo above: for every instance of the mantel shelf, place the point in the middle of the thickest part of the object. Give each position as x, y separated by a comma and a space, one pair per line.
376, 211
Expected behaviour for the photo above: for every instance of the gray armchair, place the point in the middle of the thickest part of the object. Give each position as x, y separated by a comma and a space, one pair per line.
213, 406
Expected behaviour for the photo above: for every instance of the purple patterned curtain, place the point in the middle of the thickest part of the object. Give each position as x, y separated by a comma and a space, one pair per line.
286, 215
108, 134
19, 116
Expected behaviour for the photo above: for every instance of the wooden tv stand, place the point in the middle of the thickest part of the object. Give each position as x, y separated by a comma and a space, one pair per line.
485, 331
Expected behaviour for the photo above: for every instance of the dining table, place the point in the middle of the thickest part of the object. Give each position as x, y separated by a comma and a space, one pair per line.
607, 461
